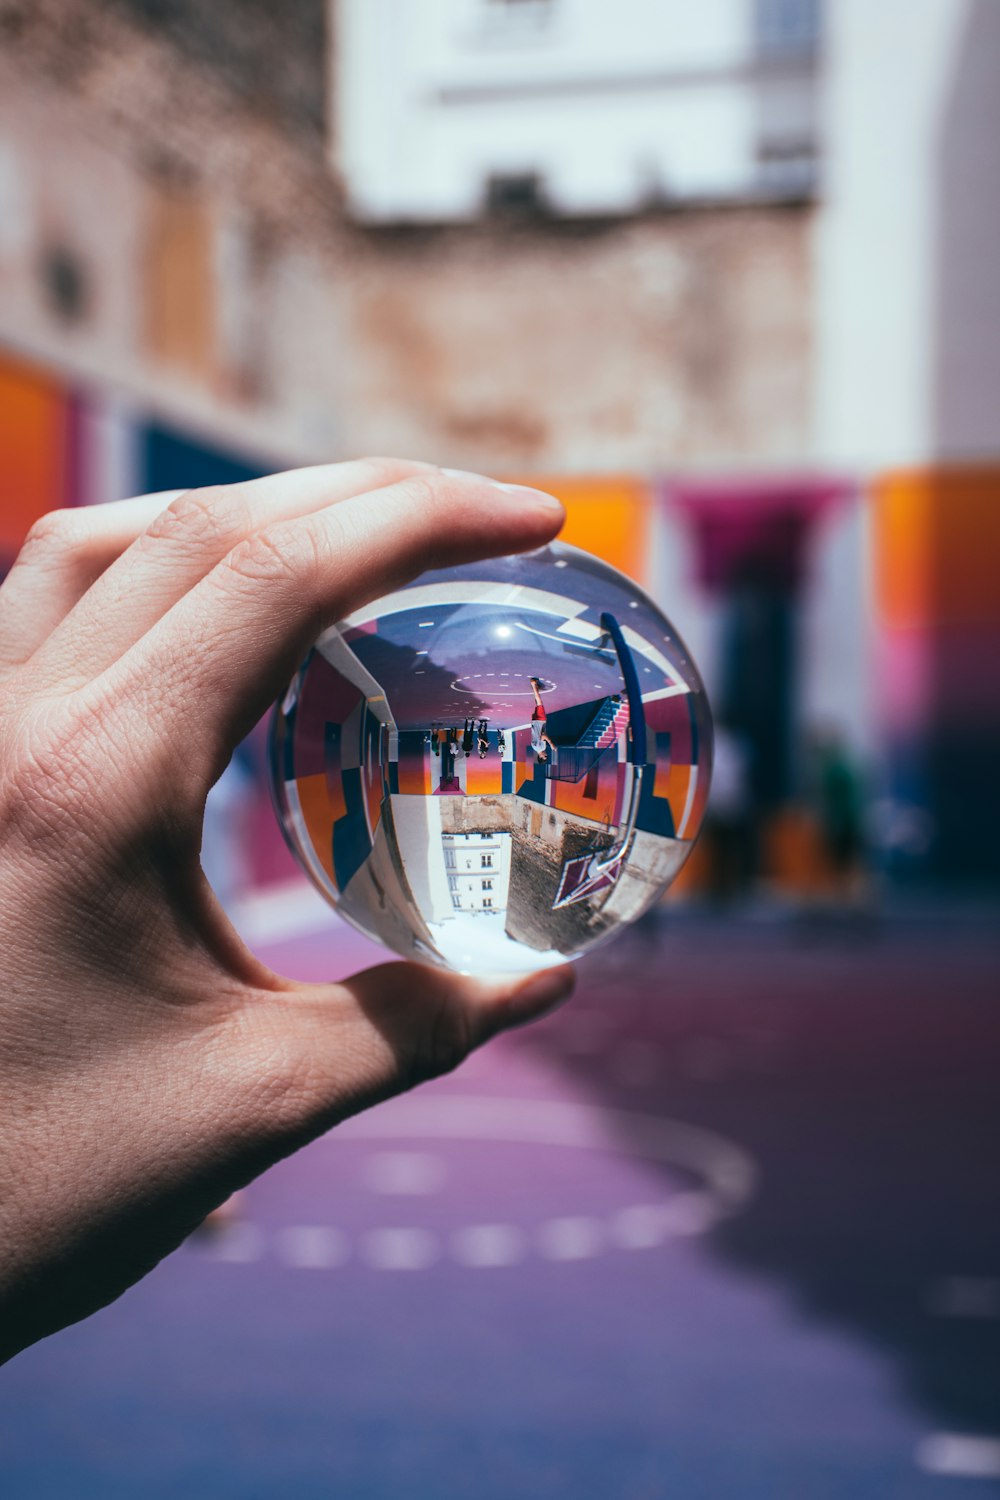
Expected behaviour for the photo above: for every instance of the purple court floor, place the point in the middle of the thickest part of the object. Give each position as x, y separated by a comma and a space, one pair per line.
726, 1226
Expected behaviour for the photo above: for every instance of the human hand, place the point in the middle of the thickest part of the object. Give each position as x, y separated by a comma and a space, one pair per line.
149, 1064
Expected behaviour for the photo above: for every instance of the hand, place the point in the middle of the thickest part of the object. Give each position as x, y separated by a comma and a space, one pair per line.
149, 1064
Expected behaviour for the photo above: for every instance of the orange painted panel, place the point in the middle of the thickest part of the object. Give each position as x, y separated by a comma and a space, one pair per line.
484, 778
318, 816
34, 427
610, 516
677, 780
570, 796
935, 543
415, 777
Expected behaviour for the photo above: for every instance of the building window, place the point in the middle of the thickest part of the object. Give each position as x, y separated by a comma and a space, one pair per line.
486, 861
534, 12
487, 885
788, 28
516, 195
487, 901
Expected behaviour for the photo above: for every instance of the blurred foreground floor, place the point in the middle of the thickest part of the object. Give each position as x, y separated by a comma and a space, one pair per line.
726, 1226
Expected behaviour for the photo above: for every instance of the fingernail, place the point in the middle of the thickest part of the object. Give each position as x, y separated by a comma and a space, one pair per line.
523, 491
518, 490
545, 990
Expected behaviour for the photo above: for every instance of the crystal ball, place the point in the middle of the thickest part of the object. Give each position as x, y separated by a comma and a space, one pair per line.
497, 767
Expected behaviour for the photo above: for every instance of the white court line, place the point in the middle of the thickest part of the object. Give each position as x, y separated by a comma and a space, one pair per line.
400, 1249
728, 1172
644, 1226
407, 1173
237, 1244
309, 1247
573, 1237
959, 1455
964, 1297
576, 1238
485, 1246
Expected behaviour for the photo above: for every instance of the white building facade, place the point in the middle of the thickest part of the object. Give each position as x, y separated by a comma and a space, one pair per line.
477, 867
447, 108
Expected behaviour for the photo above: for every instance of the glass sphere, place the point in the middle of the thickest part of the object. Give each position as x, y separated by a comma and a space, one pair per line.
498, 766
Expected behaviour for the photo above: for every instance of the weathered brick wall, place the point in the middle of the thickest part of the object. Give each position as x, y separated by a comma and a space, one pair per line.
174, 153
664, 341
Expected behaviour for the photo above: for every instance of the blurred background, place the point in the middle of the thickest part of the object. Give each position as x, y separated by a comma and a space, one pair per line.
724, 277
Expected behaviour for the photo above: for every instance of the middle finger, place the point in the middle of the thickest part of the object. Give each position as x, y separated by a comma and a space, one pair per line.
180, 547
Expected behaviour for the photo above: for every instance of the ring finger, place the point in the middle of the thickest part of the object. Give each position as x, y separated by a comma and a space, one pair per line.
66, 551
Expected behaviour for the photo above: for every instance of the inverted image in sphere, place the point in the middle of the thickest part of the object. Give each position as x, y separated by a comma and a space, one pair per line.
498, 766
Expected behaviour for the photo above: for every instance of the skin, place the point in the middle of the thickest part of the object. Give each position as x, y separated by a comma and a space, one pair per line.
149, 1064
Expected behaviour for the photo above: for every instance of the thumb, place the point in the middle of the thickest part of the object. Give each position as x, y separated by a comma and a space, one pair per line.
346, 1046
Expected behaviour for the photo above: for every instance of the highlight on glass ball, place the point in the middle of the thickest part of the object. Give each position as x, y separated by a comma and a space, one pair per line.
497, 767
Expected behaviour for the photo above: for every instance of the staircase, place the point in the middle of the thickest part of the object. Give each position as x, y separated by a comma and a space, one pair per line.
613, 722
572, 762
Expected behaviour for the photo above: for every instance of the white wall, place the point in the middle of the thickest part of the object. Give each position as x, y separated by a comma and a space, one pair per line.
610, 104
909, 297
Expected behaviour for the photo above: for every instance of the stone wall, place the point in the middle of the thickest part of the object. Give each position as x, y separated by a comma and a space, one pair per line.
173, 227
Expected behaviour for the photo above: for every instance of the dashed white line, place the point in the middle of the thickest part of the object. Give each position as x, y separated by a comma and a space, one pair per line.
727, 1173
964, 1297
959, 1455
406, 1173
644, 1226
482, 1246
576, 1238
690, 1213
400, 1249
310, 1247
238, 1244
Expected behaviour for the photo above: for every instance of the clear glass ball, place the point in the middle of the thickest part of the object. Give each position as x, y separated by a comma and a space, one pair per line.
498, 766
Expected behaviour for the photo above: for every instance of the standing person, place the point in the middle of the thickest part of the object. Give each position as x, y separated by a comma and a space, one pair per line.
467, 734
483, 735
539, 717
501, 743
839, 801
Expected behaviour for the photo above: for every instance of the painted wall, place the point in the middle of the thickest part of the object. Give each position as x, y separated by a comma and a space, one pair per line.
908, 391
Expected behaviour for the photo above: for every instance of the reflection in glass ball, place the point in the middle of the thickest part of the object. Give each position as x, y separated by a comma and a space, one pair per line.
498, 766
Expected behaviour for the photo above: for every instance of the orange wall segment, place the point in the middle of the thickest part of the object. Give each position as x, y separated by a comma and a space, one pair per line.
609, 516
34, 431
935, 544
318, 815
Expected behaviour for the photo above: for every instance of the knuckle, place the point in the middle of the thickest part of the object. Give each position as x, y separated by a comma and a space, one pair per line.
270, 556
446, 1042
385, 471
423, 492
57, 532
201, 520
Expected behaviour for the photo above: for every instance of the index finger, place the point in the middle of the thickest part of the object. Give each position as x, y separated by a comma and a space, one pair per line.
211, 666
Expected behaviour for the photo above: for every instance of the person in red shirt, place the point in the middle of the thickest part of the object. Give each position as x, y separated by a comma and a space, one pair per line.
539, 718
